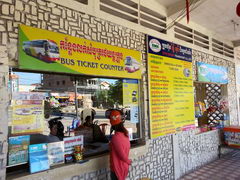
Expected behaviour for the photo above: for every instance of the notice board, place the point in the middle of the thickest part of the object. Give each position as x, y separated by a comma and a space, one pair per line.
171, 95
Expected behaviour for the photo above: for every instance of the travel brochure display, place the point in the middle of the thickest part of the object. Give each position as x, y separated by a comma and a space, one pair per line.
27, 113
56, 153
71, 142
18, 150
38, 157
170, 87
55, 52
41, 156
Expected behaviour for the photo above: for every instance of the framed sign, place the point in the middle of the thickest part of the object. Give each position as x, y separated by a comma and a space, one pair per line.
55, 52
171, 93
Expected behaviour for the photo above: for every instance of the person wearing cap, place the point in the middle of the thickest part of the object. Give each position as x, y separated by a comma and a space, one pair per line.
119, 147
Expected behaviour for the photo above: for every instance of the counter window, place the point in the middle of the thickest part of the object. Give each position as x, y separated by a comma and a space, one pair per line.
77, 108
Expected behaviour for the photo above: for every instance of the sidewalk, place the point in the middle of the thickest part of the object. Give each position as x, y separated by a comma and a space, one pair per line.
225, 168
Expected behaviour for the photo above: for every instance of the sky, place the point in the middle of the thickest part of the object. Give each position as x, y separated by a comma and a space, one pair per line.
111, 81
32, 78
28, 78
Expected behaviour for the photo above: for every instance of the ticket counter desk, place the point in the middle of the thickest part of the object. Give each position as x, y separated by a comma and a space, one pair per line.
74, 171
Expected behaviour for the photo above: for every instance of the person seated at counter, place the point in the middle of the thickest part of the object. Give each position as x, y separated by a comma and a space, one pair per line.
56, 130
87, 112
91, 132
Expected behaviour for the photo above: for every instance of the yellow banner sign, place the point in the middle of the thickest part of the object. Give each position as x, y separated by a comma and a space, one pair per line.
170, 88
44, 50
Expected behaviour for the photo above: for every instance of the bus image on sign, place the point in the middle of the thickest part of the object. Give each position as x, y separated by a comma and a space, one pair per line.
131, 64
45, 50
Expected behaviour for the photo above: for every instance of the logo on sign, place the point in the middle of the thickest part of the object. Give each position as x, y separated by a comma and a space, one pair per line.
155, 45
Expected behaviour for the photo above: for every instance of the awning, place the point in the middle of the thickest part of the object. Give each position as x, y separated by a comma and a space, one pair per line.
72, 96
67, 95
54, 94
63, 96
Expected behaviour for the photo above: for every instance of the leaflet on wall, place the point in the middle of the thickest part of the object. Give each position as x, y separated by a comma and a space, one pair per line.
38, 157
55, 52
131, 99
27, 113
170, 87
130, 92
70, 142
134, 114
18, 150
56, 153
212, 73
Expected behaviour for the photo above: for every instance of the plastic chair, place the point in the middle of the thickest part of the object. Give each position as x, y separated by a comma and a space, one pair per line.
75, 124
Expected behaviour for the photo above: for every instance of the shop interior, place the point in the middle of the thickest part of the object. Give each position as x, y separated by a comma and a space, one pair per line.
211, 106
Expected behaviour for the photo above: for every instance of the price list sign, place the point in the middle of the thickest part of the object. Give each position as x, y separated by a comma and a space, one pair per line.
170, 87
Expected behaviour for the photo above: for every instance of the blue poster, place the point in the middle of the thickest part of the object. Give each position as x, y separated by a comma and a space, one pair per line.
168, 49
212, 73
38, 157
18, 150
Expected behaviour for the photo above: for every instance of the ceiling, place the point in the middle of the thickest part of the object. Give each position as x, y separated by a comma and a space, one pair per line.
217, 15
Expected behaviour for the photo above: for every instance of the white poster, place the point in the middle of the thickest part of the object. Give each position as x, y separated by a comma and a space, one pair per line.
56, 153
70, 142
134, 114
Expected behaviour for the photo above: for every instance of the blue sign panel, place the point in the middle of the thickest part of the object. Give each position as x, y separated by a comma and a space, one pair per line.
38, 157
18, 150
168, 49
212, 73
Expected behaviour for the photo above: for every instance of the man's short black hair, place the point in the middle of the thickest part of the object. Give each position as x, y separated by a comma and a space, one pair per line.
60, 127
53, 121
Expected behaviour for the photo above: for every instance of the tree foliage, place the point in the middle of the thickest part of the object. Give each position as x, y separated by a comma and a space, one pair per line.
102, 97
115, 93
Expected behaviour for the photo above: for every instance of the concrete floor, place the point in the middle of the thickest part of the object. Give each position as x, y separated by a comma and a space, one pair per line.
225, 168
